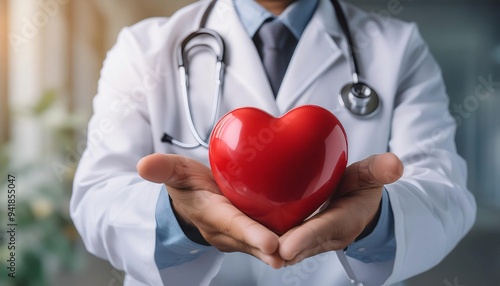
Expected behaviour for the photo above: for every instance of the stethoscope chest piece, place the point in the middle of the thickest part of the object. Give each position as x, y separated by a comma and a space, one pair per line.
360, 99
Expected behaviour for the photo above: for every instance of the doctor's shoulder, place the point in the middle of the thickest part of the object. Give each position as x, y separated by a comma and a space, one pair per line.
374, 27
154, 36
383, 40
150, 28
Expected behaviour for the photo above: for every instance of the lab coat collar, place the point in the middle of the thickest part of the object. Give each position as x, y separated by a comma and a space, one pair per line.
316, 51
242, 59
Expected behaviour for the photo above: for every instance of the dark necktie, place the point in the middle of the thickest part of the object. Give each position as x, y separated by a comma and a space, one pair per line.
275, 44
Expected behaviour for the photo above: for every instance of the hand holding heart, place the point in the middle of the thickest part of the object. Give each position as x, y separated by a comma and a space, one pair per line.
198, 200
353, 210
267, 176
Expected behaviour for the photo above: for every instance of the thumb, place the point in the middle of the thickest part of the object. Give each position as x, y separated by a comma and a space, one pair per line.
374, 171
171, 170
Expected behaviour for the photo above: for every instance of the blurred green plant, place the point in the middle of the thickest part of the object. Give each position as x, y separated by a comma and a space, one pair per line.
46, 240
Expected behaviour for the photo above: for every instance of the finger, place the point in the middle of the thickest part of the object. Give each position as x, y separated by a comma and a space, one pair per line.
374, 171
385, 168
322, 233
232, 245
158, 168
233, 223
171, 170
237, 232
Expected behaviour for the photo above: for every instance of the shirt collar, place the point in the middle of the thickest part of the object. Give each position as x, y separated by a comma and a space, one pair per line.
296, 16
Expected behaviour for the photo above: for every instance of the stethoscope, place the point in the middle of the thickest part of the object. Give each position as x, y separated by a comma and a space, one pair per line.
357, 97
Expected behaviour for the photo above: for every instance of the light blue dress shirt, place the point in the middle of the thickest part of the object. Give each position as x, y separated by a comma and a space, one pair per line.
295, 17
174, 248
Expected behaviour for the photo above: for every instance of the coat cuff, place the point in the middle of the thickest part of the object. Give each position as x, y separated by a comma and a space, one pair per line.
380, 245
173, 247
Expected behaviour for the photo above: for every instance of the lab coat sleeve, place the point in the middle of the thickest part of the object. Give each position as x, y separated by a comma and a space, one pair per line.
433, 210
112, 207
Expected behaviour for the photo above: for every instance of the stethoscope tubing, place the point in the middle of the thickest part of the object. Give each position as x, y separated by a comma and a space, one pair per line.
346, 97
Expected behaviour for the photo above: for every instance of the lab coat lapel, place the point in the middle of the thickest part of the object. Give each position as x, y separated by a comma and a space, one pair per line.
246, 82
316, 52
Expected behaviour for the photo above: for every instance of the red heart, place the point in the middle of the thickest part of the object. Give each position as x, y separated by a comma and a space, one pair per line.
278, 171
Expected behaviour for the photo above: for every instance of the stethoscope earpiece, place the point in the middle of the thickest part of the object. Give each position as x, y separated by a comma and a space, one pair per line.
360, 99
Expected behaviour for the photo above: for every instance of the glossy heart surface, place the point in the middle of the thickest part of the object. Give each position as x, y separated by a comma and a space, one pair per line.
278, 171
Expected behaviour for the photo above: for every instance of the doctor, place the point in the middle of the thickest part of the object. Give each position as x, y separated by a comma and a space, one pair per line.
165, 223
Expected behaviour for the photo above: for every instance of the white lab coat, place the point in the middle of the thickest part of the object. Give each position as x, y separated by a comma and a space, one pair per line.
139, 99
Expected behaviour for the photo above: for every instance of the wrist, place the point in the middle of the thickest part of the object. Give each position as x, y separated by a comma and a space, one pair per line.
190, 230
371, 224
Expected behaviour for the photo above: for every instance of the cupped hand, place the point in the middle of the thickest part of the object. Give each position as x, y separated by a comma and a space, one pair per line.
199, 202
353, 210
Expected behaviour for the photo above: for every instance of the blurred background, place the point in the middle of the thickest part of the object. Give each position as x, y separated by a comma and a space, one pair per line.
51, 52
